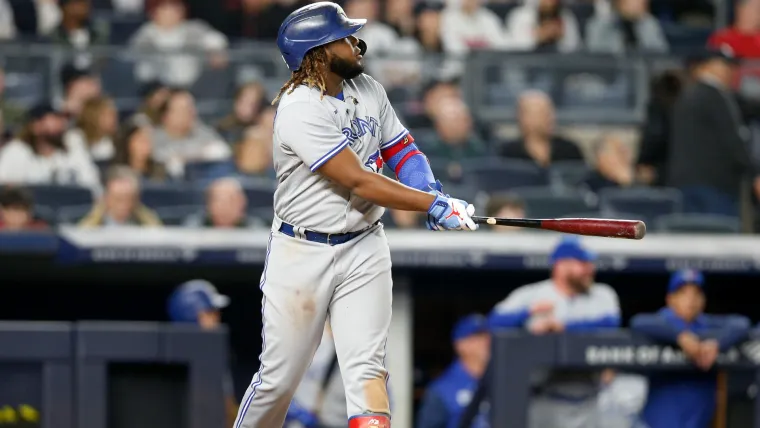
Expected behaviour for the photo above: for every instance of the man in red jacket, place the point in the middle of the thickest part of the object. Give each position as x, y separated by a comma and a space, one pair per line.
744, 36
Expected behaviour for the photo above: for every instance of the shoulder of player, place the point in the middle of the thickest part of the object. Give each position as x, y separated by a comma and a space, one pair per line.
604, 290
301, 106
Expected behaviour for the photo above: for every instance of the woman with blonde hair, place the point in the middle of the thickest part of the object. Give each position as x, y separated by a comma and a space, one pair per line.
95, 129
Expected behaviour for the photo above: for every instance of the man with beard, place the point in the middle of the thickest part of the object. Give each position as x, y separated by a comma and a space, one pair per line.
333, 132
39, 156
569, 301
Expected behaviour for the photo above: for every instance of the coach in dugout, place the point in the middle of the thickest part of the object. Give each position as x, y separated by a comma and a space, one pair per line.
569, 301
687, 399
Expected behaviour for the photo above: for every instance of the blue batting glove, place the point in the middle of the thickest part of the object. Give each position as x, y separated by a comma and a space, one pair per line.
297, 413
447, 213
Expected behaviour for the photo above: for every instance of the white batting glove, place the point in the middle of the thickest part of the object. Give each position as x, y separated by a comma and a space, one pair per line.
450, 214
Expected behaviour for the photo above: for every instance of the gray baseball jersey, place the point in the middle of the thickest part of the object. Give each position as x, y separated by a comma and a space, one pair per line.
304, 281
308, 131
567, 399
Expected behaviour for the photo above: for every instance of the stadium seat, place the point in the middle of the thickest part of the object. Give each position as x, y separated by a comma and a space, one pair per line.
118, 77
503, 175
203, 171
71, 215
159, 196
570, 174
57, 196
260, 193
546, 202
698, 223
646, 203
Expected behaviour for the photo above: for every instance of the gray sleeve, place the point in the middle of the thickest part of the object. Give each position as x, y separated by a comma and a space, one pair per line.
310, 132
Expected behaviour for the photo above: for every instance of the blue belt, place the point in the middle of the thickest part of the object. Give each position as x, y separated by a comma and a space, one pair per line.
325, 238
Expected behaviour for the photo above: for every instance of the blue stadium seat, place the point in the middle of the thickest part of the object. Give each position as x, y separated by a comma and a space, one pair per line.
159, 196
72, 214
698, 223
203, 171
500, 175
123, 27
547, 202
260, 193
57, 196
118, 77
646, 203
570, 174
25, 88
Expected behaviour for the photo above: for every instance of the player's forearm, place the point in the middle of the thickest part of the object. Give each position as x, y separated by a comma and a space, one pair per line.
388, 193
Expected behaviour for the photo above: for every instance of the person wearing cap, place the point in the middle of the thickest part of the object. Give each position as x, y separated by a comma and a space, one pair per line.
709, 156
687, 399
569, 301
199, 302
38, 155
447, 397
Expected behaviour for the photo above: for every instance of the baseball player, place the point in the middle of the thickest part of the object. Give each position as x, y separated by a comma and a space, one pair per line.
569, 301
687, 399
327, 253
199, 302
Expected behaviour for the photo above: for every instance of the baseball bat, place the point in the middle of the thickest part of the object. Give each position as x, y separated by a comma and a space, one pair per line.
608, 228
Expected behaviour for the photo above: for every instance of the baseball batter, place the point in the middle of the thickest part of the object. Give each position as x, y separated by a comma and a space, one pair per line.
327, 253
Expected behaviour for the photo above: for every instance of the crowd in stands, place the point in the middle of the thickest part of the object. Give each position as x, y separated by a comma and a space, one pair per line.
169, 161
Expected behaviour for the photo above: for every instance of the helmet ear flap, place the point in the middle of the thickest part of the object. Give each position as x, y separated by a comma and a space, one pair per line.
363, 46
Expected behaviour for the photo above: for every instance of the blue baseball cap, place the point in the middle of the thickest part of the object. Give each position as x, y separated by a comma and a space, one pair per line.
469, 325
571, 248
193, 297
683, 277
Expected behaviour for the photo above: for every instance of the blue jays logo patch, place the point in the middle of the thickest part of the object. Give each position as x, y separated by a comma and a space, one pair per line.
375, 162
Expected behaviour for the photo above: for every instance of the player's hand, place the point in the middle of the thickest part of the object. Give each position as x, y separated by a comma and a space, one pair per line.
690, 345
542, 307
541, 326
708, 354
450, 214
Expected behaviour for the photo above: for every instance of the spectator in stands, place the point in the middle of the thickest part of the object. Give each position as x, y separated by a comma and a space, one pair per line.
428, 28
379, 35
258, 19
38, 155
11, 114
120, 204
543, 26
168, 32
467, 25
538, 141
95, 129
250, 100
400, 15
253, 153
76, 29
702, 337
508, 206
154, 95
79, 85
455, 137
434, 96
225, 207
570, 301
17, 210
613, 166
447, 397
744, 36
28, 19
629, 28
709, 158
134, 148
656, 130
182, 138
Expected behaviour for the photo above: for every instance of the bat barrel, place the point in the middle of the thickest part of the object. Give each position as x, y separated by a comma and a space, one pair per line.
609, 228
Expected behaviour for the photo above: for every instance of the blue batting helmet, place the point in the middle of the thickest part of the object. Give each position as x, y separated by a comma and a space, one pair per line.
314, 25
193, 297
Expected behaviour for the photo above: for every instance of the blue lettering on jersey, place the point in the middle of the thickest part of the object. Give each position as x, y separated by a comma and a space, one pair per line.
361, 127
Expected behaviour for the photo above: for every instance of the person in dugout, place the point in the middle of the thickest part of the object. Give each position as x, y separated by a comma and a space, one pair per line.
687, 399
448, 396
199, 302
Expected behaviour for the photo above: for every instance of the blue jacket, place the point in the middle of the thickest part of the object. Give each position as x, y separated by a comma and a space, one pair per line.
447, 397
685, 399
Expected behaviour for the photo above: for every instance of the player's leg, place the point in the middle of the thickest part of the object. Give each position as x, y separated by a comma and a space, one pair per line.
297, 284
360, 316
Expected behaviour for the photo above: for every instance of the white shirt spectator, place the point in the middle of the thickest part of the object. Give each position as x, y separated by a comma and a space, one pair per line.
7, 24
19, 164
101, 150
462, 31
521, 24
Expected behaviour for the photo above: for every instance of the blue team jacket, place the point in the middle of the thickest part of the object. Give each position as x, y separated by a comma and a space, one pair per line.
447, 397
685, 400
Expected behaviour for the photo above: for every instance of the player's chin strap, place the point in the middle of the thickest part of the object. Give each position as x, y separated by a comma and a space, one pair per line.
370, 421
